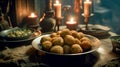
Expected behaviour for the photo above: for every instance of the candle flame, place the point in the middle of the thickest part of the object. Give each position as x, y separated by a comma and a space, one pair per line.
72, 19
87, 0
57, 2
33, 15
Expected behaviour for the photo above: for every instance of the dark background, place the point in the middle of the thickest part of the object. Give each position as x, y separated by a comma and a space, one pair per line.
106, 12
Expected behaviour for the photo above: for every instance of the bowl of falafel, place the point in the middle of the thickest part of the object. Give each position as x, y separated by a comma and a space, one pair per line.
66, 42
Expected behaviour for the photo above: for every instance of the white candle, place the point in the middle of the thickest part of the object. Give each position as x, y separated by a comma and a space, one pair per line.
87, 5
57, 6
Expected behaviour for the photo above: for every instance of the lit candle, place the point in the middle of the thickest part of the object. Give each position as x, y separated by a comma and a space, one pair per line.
32, 18
32, 15
87, 5
57, 6
71, 21
71, 24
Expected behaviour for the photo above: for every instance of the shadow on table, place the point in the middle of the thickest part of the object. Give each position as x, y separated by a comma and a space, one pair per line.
13, 44
87, 60
36, 60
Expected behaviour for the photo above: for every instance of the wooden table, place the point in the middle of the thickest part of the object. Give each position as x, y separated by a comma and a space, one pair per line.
24, 51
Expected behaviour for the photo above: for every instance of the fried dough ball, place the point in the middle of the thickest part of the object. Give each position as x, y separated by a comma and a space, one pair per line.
52, 39
76, 48
59, 32
46, 45
77, 41
70, 40
65, 32
86, 45
75, 34
45, 38
66, 49
81, 35
57, 49
58, 41
84, 39
53, 35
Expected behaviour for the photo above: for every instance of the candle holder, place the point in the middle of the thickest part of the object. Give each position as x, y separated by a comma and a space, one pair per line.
86, 20
58, 17
58, 22
88, 11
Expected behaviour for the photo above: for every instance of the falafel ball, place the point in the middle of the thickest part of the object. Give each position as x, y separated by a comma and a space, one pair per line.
46, 45
66, 49
45, 38
69, 39
57, 49
77, 41
81, 35
59, 32
76, 48
58, 41
52, 39
53, 35
86, 45
84, 39
65, 32
75, 34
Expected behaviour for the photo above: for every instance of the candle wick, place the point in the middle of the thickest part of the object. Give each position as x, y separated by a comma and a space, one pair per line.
57, 2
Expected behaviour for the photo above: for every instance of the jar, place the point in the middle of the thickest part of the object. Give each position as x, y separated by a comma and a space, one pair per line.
3, 23
48, 22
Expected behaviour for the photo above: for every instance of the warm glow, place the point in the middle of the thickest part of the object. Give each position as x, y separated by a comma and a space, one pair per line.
71, 24
101, 50
57, 2
71, 21
87, 0
57, 6
32, 15
87, 7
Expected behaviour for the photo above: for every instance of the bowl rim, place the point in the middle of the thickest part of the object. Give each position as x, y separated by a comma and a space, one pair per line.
114, 37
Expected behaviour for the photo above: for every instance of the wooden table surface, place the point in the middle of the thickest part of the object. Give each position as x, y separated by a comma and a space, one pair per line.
23, 52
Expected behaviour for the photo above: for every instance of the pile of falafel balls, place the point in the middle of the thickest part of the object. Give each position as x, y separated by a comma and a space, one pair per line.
66, 42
